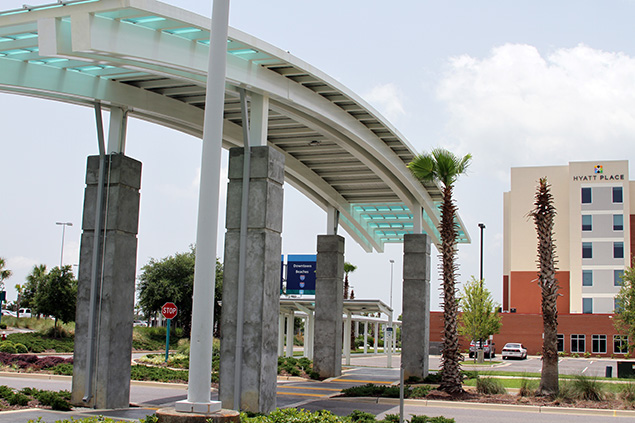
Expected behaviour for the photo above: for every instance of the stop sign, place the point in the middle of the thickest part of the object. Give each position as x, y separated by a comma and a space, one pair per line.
169, 310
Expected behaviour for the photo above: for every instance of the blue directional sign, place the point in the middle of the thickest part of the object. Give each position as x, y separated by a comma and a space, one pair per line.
301, 274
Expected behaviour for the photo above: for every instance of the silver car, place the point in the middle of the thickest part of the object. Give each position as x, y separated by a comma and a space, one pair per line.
512, 349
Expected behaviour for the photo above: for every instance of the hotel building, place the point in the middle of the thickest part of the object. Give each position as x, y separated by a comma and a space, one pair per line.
592, 236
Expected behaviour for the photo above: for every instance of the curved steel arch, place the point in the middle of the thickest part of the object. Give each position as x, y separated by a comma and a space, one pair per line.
150, 59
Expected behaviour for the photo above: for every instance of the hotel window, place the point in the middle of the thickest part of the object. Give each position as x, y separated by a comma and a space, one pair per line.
577, 343
587, 305
620, 344
616, 305
598, 344
617, 195
618, 250
617, 277
560, 342
587, 222
587, 250
586, 196
587, 278
618, 222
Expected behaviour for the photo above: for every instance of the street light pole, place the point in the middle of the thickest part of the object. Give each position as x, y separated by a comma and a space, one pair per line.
482, 226
392, 263
64, 225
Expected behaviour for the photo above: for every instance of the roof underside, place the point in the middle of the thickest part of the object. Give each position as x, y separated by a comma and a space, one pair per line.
151, 60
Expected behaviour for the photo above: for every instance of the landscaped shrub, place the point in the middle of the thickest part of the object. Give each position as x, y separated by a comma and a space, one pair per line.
158, 374
489, 386
295, 416
420, 391
391, 418
37, 342
21, 348
426, 419
56, 400
627, 394
7, 347
527, 387
587, 388
18, 399
62, 369
372, 390
358, 416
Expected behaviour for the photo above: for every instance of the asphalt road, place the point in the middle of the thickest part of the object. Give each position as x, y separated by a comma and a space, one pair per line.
313, 395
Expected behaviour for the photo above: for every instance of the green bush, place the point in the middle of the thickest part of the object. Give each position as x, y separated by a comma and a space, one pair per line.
426, 419
420, 391
627, 394
489, 386
358, 416
21, 348
18, 399
37, 342
62, 369
293, 415
158, 374
391, 418
5, 392
372, 390
8, 347
55, 400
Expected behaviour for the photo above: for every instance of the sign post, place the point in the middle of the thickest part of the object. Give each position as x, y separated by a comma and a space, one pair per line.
168, 311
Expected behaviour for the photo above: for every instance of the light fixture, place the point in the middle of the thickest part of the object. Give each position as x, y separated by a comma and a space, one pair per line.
315, 143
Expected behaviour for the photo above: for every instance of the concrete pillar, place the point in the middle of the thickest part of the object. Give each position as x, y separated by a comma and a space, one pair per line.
327, 351
118, 261
262, 281
415, 329
311, 335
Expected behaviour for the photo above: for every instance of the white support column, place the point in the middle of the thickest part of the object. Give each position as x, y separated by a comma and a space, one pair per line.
258, 119
312, 335
417, 219
306, 336
332, 220
117, 130
388, 342
199, 384
280, 335
365, 338
290, 325
347, 337
376, 337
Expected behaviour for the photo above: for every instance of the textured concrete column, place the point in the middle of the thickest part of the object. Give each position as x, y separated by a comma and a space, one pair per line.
262, 281
415, 331
329, 297
113, 323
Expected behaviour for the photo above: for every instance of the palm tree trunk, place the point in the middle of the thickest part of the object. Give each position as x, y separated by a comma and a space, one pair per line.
451, 380
544, 214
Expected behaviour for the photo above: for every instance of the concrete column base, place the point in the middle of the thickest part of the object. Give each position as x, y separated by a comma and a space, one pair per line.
170, 415
415, 330
329, 297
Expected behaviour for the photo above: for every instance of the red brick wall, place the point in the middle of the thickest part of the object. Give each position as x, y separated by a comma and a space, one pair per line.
525, 294
505, 292
527, 329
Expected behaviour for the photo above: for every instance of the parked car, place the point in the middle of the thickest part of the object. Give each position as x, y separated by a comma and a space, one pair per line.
512, 349
489, 348
9, 313
140, 323
25, 312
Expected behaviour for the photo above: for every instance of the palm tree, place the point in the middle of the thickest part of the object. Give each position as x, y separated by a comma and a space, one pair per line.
543, 214
443, 166
4, 273
33, 282
348, 268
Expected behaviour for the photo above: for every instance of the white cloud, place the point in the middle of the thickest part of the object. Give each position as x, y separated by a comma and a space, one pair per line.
388, 99
519, 108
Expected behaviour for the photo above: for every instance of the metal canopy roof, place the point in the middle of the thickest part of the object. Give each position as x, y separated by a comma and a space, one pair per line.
150, 59
354, 307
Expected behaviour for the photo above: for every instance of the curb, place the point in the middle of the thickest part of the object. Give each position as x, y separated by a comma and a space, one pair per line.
539, 409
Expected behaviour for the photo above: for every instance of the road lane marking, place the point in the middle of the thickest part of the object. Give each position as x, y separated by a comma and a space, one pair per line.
363, 381
300, 394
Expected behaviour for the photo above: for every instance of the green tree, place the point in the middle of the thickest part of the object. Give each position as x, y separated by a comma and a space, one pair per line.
57, 295
445, 167
480, 317
172, 279
4, 273
544, 214
624, 321
348, 268
33, 282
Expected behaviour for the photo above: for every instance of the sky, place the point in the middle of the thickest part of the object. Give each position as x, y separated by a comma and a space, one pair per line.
522, 83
